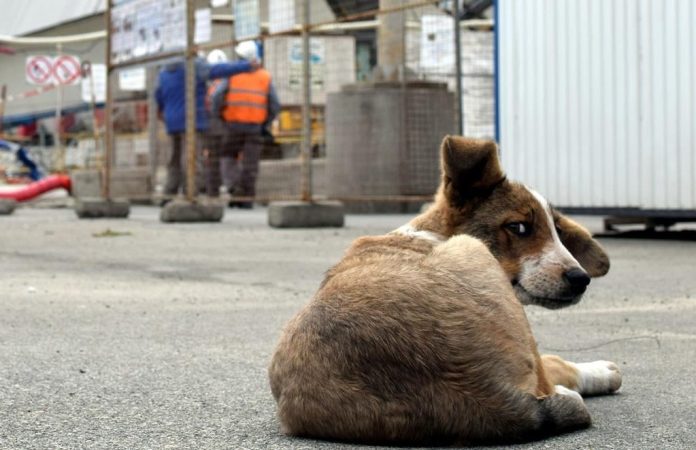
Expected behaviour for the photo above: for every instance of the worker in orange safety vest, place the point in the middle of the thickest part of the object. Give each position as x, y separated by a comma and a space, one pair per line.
216, 131
247, 105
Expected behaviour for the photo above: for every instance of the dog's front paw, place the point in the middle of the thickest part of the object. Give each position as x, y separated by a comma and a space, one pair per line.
598, 377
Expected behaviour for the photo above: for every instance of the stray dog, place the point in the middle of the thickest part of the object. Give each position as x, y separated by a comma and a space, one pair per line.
419, 336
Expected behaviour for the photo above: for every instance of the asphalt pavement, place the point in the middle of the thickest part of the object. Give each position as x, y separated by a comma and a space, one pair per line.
137, 334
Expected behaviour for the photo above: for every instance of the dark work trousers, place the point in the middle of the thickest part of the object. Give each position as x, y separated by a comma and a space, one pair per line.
176, 166
244, 142
230, 171
213, 149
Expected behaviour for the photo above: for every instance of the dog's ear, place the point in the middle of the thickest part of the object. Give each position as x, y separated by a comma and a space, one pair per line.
583, 247
470, 168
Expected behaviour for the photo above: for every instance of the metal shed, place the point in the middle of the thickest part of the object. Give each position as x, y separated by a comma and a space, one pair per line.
597, 103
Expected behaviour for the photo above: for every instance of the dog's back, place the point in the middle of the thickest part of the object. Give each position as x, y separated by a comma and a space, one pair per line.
406, 344
418, 336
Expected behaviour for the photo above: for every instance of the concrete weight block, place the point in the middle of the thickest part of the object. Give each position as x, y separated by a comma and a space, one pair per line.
305, 214
7, 206
100, 208
182, 211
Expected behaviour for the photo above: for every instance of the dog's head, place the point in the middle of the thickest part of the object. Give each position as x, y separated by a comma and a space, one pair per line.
548, 258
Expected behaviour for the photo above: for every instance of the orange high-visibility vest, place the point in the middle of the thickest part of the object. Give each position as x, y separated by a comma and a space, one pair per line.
247, 97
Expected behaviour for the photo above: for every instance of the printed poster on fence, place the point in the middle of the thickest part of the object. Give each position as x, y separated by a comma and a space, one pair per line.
317, 63
141, 28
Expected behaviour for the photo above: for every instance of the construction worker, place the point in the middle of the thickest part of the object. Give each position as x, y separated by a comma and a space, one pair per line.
248, 104
171, 101
216, 131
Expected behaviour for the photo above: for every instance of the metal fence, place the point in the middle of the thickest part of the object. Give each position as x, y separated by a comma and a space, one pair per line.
368, 89
382, 78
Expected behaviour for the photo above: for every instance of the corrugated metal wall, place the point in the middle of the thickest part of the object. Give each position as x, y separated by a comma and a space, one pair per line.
597, 100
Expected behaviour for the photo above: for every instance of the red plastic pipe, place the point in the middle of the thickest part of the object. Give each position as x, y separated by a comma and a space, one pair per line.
37, 188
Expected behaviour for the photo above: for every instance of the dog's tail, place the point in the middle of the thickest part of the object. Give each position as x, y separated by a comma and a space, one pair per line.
529, 418
563, 411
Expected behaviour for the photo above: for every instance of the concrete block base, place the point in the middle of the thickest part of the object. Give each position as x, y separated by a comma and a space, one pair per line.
7, 206
305, 215
185, 211
100, 208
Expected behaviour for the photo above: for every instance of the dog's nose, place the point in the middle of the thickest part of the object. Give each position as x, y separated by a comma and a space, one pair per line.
577, 279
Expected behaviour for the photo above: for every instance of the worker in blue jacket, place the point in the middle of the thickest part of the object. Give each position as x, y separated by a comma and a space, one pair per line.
171, 102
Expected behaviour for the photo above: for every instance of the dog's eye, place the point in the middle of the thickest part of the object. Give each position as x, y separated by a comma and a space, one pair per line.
519, 228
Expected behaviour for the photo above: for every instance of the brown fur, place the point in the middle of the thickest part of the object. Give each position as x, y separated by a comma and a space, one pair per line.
414, 340
559, 371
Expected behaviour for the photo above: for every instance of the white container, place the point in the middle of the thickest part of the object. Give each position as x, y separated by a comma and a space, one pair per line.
597, 101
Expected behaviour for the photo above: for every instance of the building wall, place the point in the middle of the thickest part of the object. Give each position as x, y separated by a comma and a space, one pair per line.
597, 100
12, 71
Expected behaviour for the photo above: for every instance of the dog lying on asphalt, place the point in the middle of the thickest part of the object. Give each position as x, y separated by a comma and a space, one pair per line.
419, 336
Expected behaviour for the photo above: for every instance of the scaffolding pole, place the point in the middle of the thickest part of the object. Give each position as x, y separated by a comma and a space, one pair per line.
60, 165
306, 188
190, 103
108, 125
458, 67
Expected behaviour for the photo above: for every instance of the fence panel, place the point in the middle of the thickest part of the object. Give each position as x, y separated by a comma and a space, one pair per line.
382, 82
382, 77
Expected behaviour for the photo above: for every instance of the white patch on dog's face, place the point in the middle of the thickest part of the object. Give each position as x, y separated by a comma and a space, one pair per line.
541, 279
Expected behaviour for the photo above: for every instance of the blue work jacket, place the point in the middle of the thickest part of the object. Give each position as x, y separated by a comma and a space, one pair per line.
171, 91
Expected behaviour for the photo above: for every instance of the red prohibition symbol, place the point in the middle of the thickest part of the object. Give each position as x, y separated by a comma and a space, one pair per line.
39, 69
66, 69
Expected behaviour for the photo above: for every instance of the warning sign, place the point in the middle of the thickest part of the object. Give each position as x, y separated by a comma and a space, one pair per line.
67, 69
39, 70
43, 70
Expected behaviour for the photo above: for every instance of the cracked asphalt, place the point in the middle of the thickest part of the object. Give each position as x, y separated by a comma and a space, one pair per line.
136, 334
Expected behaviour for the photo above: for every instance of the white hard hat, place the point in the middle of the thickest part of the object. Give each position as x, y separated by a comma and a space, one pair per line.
216, 56
247, 50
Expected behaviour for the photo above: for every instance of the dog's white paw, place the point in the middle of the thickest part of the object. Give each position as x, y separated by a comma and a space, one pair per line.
562, 390
598, 377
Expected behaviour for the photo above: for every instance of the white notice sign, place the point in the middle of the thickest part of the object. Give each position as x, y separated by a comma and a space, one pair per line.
317, 63
281, 15
204, 28
98, 80
437, 44
247, 23
132, 79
